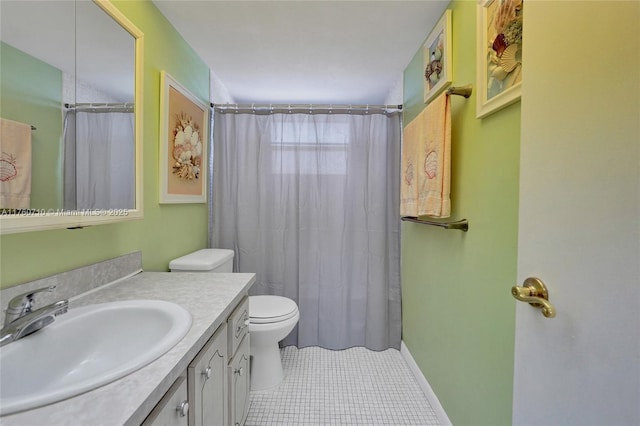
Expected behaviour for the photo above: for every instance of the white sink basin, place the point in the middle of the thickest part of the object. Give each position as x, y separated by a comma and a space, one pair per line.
86, 348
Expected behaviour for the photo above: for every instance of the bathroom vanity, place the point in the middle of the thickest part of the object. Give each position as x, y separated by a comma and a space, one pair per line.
215, 389
203, 379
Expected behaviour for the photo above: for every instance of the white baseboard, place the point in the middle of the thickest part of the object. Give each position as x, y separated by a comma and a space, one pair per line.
424, 385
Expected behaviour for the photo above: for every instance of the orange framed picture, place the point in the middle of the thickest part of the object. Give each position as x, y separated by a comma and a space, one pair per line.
184, 128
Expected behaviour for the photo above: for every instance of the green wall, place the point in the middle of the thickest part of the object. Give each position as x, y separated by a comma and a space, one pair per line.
458, 313
167, 231
32, 93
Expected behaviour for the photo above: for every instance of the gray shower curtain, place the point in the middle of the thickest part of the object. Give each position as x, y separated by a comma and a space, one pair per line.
99, 160
310, 203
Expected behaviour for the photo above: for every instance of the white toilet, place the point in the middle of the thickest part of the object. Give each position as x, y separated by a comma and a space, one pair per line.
271, 318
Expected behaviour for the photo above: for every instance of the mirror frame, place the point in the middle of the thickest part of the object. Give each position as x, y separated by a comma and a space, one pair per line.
39, 219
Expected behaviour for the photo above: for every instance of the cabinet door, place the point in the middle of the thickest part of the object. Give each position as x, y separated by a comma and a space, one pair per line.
238, 326
172, 408
239, 384
208, 382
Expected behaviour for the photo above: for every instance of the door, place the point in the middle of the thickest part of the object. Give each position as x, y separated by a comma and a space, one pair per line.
579, 223
239, 384
173, 408
207, 375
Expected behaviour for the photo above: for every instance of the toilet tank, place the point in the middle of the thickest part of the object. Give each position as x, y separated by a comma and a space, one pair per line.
205, 260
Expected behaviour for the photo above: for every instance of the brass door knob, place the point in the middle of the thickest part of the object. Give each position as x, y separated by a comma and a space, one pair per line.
535, 293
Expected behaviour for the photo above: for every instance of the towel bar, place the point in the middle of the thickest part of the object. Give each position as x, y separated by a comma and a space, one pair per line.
462, 224
461, 91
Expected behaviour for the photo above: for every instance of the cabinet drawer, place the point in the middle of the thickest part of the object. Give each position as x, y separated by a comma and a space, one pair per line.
239, 384
172, 408
238, 324
207, 376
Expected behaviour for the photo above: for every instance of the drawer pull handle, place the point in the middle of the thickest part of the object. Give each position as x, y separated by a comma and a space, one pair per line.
183, 409
239, 371
207, 373
243, 325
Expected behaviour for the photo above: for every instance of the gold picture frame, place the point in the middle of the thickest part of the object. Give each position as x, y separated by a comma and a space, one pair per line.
499, 59
184, 128
438, 72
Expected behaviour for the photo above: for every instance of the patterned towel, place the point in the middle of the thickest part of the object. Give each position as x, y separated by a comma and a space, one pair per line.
15, 164
435, 160
409, 184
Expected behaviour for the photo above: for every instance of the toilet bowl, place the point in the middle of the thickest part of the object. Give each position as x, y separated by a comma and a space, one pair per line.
271, 318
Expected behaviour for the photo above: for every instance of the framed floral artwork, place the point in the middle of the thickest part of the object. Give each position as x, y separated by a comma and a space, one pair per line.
499, 61
437, 58
184, 125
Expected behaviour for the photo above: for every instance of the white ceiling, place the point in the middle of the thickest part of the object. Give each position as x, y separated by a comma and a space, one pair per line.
340, 52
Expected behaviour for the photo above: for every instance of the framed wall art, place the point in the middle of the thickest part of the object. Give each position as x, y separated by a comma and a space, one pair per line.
437, 58
499, 61
184, 125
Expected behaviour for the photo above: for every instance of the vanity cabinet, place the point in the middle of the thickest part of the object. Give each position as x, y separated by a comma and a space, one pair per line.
238, 371
239, 384
173, 408
207, 377
238, 326
160, 393
214, 391
217, 380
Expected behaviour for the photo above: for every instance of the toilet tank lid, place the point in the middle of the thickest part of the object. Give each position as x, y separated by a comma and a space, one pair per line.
201, 260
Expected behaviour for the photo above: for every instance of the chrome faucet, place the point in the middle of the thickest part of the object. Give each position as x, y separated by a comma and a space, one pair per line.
21, 320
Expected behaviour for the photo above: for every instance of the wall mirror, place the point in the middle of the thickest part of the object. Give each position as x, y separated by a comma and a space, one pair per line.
74, 75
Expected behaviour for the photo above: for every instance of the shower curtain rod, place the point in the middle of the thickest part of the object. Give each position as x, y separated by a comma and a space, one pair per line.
305, 108
101, 107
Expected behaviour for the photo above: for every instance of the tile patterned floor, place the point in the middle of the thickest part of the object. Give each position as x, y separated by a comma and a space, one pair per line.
351, 387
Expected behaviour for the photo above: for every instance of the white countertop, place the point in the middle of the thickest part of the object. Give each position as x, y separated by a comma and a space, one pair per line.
210, 298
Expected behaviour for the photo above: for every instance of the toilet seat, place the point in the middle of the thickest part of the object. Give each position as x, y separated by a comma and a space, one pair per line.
271, 309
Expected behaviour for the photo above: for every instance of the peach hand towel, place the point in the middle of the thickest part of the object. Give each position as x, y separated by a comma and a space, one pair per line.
435, 160
15, 165
409, 184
